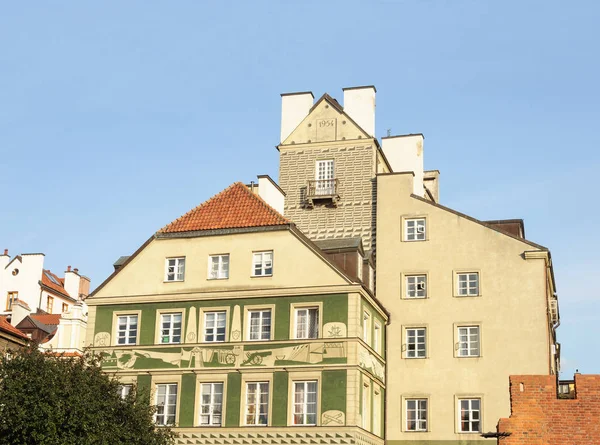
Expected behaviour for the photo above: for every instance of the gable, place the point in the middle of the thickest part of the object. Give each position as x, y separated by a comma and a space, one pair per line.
326, 122
294, 265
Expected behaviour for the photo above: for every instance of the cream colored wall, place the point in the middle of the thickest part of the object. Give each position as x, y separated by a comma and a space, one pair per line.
294, 265
511, 310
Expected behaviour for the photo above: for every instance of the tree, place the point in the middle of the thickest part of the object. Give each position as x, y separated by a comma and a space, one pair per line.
48, 399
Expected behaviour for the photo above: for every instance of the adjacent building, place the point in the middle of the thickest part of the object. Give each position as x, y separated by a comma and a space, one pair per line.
244, 330
45, 307
286, 292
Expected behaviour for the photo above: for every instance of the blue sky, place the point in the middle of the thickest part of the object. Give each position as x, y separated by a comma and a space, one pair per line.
117, 117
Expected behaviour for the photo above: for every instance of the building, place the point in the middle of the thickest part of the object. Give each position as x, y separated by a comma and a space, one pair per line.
49, 309
10, 337
244, 330
470, 302
544, 414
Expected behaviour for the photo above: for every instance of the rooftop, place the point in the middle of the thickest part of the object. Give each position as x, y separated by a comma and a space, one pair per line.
234, 207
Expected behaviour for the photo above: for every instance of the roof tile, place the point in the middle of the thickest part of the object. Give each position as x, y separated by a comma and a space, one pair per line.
47, 319
47, 281
6, 326
234, 207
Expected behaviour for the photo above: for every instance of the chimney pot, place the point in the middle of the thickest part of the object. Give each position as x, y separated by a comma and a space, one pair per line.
5, 251
76, 270
68, 268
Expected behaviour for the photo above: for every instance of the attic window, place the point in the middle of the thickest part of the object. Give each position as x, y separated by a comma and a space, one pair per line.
51, 278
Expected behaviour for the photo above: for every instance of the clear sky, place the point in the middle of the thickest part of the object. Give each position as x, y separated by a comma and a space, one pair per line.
117, 117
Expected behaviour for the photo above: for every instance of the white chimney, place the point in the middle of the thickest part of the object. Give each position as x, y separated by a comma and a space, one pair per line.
359, 104
405, 154
72, 280
294, 108
271, 193
20, 310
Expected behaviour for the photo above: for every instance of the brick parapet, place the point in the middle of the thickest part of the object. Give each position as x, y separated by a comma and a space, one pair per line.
539, 417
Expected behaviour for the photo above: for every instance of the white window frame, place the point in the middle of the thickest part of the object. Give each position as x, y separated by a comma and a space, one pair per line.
222, 271
415, 286
171, 334
215, 327
415, 229
366, 334
261, 318
124, 390
325, 177
128, 329
473, 414
420, 342
259, 259
377, 331
419, 411
469, 331
212, 404
376, 410
366, 405
473, 288
304, 403
178, 273
170, 409
297, 310
257, 393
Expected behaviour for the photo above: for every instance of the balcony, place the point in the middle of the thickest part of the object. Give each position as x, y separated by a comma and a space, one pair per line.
323, 191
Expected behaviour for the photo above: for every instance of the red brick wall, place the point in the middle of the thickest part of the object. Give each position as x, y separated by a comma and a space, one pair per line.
538, 417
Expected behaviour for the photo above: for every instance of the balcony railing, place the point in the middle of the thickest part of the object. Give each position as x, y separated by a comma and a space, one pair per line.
322, 189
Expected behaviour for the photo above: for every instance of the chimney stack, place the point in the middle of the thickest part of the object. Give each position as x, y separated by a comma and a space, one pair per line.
294, 108
68, 268
359, 104
405, 154
6, 252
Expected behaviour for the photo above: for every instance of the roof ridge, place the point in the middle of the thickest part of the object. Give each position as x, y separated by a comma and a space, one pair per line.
263, 202
199, 205
234, 207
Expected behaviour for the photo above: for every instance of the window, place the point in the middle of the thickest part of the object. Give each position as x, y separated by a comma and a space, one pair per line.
218, 267
325, 178
377, 411
416, 414
305, 403
259, 324
263, 264
170, 328
470, 415
214, 326
307, 323
175, 269
468, 341
10, 299
366, 326
125, 390
65, 307
377, 338
257, 403
467, 284
415, 343
49, 304
211, 404
127, 329
365, 406
166, 404
416, 286
414, 229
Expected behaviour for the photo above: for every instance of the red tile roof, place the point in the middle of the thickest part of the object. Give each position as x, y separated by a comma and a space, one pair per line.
234, 207
47, 319
46, 281
6, 326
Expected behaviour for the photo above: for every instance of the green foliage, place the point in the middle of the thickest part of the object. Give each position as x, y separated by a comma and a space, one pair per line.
56, 400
